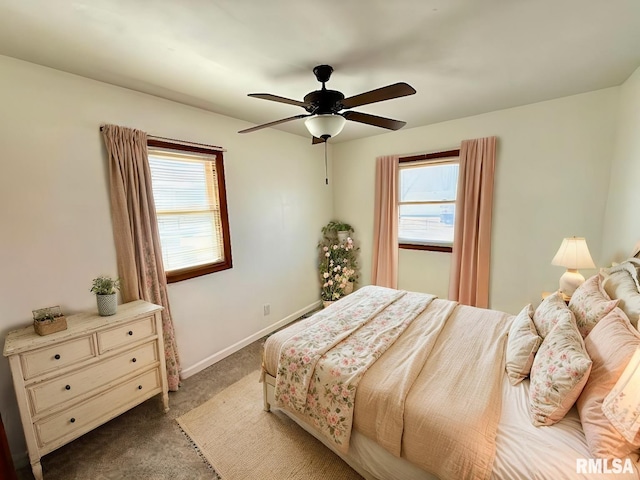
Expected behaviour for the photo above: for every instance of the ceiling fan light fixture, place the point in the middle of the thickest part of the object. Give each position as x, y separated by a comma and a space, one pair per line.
325, 125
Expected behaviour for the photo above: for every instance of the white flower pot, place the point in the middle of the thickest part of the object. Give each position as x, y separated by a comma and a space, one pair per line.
107, 304
342, 236
326, 303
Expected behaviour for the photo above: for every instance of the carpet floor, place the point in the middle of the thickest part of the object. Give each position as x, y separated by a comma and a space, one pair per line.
233, 425
144, 443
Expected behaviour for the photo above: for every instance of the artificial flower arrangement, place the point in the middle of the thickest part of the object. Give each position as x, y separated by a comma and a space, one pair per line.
337, 266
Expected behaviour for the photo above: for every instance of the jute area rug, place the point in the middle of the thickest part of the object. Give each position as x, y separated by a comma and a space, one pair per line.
242, 441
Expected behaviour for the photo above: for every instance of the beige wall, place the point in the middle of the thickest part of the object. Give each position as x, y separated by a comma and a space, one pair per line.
552, 177
621, 230
56, 225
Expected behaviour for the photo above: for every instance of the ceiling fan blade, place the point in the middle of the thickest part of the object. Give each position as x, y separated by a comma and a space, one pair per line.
378, 95
374, 120
276, 98
277, 122
317, 140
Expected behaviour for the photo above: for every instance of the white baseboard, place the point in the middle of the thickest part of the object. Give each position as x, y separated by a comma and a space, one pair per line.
216, 357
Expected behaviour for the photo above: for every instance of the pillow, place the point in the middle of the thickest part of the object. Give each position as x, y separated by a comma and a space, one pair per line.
631, 266
610, 345
590, 304
621, 286
559, 372
549, 313
622, 405
522, 345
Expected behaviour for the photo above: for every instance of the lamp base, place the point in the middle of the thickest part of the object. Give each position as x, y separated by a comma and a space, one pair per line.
570, 281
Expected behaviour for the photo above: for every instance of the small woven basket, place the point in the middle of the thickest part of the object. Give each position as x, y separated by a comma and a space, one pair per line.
47, 327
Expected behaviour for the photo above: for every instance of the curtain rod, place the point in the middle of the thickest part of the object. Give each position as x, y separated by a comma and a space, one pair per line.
180, 142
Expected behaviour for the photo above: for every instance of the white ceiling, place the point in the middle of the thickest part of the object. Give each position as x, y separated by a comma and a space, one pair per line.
464, 57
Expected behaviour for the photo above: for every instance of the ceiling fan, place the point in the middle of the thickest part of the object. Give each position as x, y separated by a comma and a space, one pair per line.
325, 117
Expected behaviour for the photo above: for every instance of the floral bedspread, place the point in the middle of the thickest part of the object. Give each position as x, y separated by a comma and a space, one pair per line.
319, 369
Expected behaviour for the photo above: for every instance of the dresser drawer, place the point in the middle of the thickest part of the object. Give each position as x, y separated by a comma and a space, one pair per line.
126, 334
52, 358
95, 411
68, 387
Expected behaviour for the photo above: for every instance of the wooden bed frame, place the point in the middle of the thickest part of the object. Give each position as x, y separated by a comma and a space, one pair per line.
268, 390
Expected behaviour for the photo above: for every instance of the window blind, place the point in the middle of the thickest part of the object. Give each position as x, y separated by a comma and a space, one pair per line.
185, 190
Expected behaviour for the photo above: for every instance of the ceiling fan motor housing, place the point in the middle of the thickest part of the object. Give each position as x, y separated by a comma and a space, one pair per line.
324, 101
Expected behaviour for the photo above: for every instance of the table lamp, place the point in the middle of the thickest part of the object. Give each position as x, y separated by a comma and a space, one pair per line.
573, 254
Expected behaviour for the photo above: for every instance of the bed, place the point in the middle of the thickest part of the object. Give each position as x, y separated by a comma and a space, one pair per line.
435, 400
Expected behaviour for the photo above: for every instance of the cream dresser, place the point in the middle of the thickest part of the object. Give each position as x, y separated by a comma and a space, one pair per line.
70, 382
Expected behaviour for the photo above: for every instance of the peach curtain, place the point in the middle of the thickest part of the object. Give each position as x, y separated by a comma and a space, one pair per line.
469, 282
384, 267
135, 231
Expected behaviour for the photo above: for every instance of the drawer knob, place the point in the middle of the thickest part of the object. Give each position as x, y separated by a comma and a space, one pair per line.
73, 420
139, 387
134, 360
67, 387
130, 332
57, 356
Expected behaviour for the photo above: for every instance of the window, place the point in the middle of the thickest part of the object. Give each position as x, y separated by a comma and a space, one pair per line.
191, 206
427, 201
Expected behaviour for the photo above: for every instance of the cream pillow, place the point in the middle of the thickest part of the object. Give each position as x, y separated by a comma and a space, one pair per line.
590, 304
621, 286
631, 266
559, 372
610, 345
549, 313
522, 345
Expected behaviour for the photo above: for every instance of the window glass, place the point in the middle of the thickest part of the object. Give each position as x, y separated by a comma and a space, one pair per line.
429, 183
427, 203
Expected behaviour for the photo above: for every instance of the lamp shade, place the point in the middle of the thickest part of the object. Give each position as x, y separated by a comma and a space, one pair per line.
573, 254
325, 126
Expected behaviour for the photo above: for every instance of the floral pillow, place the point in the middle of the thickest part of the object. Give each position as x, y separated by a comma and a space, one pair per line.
559, 372
611, 344
549, 313
522, 345
590, 304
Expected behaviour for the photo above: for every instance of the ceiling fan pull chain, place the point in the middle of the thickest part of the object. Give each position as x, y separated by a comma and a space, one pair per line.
326, 172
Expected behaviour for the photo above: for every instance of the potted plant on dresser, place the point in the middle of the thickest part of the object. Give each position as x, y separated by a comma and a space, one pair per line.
106, 289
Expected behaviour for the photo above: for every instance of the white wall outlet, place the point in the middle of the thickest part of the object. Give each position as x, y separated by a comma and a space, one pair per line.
266, 308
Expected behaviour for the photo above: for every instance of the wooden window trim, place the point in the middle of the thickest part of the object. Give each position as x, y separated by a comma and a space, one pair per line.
181, 147
430, 156
421, 158
430, 248
227, 263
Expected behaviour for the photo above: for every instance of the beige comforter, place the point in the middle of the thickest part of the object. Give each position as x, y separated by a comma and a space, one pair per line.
434, 396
